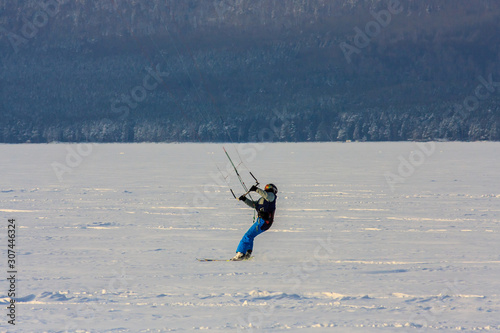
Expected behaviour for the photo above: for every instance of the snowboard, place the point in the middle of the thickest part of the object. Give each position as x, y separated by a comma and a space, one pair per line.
210, 259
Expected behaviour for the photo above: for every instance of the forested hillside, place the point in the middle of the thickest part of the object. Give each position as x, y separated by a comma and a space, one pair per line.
249, 70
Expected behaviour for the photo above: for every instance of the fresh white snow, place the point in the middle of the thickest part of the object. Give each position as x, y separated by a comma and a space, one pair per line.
400, 237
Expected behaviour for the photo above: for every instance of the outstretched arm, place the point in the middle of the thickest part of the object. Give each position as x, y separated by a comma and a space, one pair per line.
268, 196
247, 201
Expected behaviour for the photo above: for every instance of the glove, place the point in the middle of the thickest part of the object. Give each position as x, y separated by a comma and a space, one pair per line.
253, 188
242, 198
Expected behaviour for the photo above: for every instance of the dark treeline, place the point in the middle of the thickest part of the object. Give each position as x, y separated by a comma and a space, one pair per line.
238, 70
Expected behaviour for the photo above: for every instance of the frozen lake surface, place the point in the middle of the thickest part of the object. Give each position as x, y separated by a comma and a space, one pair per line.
385, 236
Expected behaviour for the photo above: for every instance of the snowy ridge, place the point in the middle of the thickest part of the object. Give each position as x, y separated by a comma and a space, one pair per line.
253, 295
275, 301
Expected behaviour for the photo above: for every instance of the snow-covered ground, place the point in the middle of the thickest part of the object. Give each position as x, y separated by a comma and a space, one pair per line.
384, 236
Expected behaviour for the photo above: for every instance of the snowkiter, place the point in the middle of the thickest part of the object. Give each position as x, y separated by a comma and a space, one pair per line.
265, 207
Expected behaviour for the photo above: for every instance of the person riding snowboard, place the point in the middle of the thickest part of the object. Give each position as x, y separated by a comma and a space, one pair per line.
265, 206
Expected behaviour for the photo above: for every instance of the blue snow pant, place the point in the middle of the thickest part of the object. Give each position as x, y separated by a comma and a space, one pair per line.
246, 242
